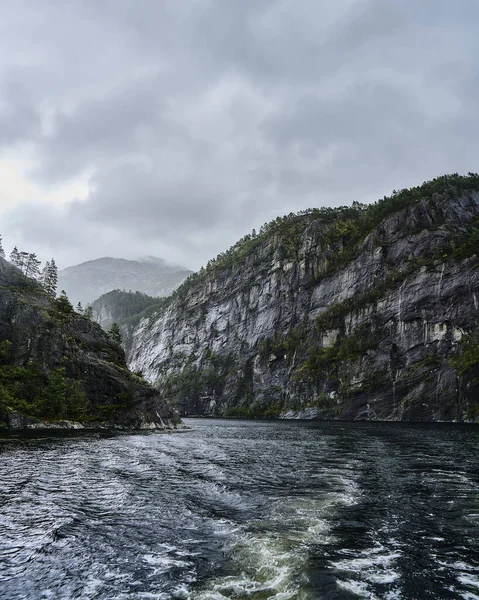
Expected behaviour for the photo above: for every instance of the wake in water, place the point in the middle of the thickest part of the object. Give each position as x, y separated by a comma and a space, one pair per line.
243, 510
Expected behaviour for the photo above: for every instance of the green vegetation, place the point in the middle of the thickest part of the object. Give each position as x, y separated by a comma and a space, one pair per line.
193, 381
35, 393
281, 344
265, 410
322, 361
63, 305
343, 228
315, 359
468, 356
326, 403
467, 244
61, 309
127, 306
115, 333
127, 310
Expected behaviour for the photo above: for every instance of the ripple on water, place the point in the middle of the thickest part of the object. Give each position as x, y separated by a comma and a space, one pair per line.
244, 510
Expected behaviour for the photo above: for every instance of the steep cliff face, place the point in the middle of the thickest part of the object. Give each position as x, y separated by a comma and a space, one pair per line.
360, 312
57, 366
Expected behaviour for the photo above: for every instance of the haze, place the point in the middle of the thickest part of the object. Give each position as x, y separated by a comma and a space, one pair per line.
130, 128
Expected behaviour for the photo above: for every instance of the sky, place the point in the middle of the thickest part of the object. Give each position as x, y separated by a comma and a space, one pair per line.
156, 127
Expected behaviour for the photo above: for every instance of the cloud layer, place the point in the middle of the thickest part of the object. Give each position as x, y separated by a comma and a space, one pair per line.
192, 122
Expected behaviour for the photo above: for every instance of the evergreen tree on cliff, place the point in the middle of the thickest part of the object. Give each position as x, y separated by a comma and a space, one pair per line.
2, 251
32, 266
15, 257
22, 260
115, 333
63, 304
42, 278
49, 278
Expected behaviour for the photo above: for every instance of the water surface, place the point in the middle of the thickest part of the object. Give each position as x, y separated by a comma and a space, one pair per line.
243, 509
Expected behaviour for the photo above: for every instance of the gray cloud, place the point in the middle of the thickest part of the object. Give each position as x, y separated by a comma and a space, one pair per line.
198, 120
20, 118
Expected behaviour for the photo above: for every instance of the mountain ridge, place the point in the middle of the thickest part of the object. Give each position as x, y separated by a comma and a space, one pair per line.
87, 281
355, 312
59, 369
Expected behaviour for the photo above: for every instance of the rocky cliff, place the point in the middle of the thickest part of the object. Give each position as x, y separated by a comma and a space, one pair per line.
360, 312
57, 368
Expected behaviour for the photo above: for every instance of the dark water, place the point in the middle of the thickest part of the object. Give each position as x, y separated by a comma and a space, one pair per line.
238, 509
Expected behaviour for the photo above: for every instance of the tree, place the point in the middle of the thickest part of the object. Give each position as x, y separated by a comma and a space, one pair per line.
42, 278
115, 333
15, 257
63, 305
2, 251
23, 260
88, 312
32, 266
49, 278
79, 308
63, 398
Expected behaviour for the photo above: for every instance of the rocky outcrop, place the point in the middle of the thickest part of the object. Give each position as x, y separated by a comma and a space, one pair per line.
58, 368
351, 313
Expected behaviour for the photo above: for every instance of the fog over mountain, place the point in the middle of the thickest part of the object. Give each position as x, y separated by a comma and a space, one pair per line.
174, 128
151, 275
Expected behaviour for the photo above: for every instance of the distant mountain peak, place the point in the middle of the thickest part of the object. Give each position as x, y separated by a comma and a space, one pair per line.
89, 280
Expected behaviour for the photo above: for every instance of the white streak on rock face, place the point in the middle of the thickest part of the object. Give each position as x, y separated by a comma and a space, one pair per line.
439, 285
438, 332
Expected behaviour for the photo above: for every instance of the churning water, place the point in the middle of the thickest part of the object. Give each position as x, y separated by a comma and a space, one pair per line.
243, 509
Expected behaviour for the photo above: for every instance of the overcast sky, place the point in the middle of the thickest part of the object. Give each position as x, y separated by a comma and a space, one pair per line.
173, 127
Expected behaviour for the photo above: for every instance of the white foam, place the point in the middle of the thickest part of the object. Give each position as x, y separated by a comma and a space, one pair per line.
469, 580
373, 566
359, 588
163, 564
272, 562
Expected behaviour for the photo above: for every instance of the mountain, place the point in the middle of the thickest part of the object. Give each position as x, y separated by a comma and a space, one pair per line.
356, 312
126, 309
87, 281
58, 367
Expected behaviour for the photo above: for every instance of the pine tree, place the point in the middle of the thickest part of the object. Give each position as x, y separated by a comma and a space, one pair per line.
2, 251
50, 278
88, 312
32, 266
79, 308
42, 278
53, 274
63, 304
15, 257
115, 333
22, 261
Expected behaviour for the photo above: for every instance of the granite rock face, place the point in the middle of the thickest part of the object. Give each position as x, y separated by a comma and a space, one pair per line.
52, 345
316, 320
